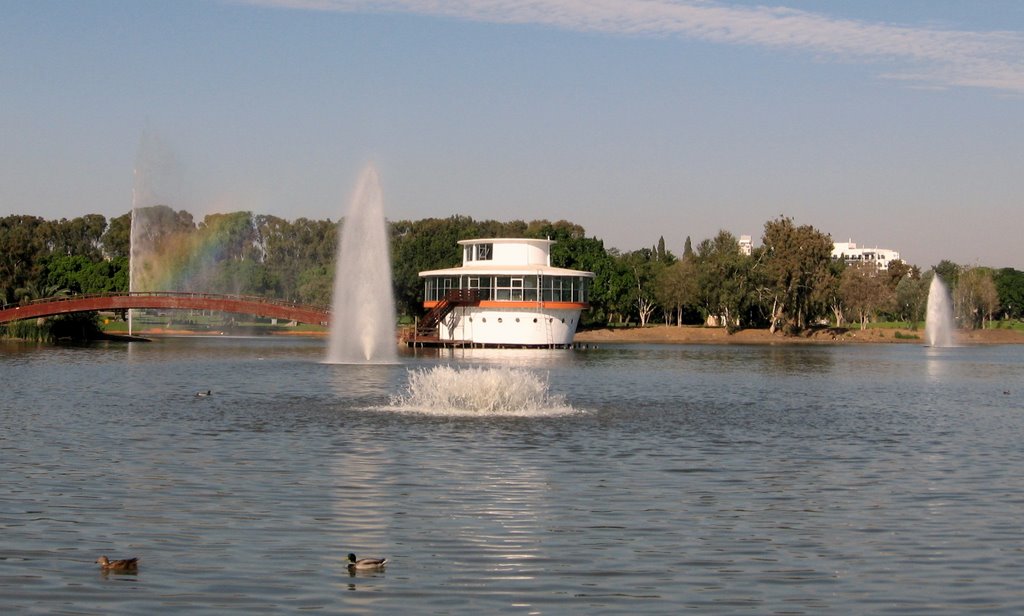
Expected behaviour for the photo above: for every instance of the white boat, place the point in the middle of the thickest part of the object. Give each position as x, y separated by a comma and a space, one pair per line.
505, 294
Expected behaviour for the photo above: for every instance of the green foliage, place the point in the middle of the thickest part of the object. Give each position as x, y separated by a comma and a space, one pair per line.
643, 268
117, 239
792, 261
24, 242
78, 274
911, 299
1010, 289
589, 255
949, 272
790, 280
865, 291
975, 297
316, 286
677, 289
65, 326
724, 280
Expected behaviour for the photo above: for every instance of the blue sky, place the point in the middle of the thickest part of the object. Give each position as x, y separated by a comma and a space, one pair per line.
896, 124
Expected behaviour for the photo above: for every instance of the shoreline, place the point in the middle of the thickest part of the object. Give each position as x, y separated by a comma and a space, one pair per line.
690, 334
697, 334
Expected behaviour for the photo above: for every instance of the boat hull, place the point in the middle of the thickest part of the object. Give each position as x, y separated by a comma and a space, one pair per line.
511, 326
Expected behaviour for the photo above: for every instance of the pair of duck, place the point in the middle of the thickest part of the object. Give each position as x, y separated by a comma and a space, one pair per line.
132, 564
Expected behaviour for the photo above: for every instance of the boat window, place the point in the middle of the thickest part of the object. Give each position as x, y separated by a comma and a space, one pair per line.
484, 252
517, 289
507, 288
436, 288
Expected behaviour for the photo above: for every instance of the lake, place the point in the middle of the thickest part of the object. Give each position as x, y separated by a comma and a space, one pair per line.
801, 479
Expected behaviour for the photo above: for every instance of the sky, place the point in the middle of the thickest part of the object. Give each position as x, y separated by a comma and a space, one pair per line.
892, 124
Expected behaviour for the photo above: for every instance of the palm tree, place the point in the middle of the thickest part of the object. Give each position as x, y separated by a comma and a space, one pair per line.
32, 292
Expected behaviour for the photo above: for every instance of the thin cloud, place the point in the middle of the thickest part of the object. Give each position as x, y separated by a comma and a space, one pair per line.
929, 57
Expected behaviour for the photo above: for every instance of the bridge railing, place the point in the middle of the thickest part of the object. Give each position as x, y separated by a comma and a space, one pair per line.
173, 294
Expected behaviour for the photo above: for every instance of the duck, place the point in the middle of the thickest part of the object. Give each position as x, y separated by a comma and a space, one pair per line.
366, 563
203, 394
126, 564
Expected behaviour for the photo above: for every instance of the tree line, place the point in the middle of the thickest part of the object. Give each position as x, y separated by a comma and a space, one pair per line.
789, 282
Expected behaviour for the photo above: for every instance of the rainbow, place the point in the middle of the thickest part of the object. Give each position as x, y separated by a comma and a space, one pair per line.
186, 259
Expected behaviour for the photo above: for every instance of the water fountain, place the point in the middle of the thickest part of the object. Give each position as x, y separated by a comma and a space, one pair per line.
363, 309
480, 392
939, 323
157, 178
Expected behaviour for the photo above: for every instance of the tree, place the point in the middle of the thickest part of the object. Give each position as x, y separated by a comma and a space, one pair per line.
541, 229
290, 248
23, 246
827, 291
230, 236
117, 239
723, 278
912, 299
975, 298
80, 236
948, 272
316, 286
426, 244
898, 270
644, 266
677, 288
865, 291
79, 274
662, 253
791, 261
1010, 288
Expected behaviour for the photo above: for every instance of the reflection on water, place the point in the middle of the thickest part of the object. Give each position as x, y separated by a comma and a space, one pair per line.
936, 362
824, 479
363, 381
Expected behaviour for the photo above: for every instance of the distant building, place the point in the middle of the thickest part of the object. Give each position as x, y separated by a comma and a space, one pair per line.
850, 254
746, 245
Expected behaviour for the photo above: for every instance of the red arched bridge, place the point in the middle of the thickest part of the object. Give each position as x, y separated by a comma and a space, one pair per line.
166, 300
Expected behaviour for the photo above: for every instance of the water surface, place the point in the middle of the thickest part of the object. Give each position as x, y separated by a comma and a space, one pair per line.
731, 479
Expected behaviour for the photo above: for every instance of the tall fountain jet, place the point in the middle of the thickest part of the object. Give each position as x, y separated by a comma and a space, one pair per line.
939, 323
363, 310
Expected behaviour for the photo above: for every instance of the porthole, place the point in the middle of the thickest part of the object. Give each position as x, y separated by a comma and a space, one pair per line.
484, 320
499, 320
517, 319
534, 319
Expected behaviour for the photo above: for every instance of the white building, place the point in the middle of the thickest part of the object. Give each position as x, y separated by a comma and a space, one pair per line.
851, 254
746, 245
506, 294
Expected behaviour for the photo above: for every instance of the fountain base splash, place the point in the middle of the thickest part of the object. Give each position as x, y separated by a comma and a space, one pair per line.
472, 392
